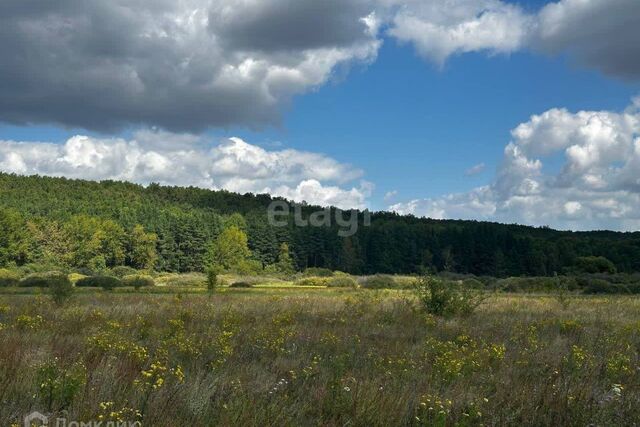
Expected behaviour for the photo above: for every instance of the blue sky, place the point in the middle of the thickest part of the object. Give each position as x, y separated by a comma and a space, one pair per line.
411, 119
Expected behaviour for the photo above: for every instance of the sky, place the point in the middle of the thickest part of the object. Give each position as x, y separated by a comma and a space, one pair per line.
512, 111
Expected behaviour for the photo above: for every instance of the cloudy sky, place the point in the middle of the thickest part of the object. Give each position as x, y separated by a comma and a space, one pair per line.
521, 111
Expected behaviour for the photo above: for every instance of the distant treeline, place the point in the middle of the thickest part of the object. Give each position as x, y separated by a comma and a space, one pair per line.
105, 224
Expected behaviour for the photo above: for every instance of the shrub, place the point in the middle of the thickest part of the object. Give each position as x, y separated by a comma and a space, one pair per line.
74, 277
312, 281
599, 286
122, 271
241, 285
138, 281
42, 280
60, 288
214, 280
36, 268
186, 280
379, 281
8, 278
247, 267
105, 282
317, 272
342, 282
442, 298
593, 264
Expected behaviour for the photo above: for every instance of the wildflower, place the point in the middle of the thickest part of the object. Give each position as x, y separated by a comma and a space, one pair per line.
347, 389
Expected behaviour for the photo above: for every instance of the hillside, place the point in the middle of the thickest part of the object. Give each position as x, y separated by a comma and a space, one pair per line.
185, 220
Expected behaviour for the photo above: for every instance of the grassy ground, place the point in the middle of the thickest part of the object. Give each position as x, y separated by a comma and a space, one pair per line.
318, 357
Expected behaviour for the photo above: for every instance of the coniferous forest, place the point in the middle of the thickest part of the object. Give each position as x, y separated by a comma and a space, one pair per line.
93, 225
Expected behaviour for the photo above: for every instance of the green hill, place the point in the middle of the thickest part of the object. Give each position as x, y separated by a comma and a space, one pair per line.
54, 220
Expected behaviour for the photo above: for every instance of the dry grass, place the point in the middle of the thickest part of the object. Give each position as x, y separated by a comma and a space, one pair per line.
319, 357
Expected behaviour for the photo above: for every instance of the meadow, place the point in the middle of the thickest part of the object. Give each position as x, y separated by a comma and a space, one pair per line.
318, 356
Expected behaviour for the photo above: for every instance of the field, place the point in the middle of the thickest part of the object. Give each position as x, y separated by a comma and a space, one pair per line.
291, 356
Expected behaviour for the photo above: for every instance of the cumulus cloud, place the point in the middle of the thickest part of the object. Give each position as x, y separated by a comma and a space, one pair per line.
187, 65
440, 29
181, 65
186, 160
602, 34
598, 185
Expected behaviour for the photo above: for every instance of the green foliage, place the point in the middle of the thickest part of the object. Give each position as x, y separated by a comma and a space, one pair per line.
443, 298
592, 264
59, 385
44, 280
138, 281
247, 267
182, 280
342, 282
142, 249
285, 262
74, 225
312, 281
14, 241
107, 283
61, 289
212, 278
229, 250
122, 271
379, 281
600, 286
318, 272
74, 277
8, 278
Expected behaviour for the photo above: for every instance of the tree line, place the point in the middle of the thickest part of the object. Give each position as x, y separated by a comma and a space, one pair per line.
94, 225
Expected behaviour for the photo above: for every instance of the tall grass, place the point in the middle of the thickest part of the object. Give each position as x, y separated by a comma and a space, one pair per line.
331, 357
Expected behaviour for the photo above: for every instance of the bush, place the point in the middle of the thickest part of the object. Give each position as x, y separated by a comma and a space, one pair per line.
105, 282
317, 272
442, 298
74, 277
312, 281
342, 282
593, 264
8, 278
599, 286
36, 268
241, 285
122, 271
60, 288
379, 281
138, 281
185, 280
42, 280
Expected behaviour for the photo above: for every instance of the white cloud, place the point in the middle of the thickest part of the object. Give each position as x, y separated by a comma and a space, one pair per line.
186, 160
597, 33
439, 29
390, 195
475, 170
598, 185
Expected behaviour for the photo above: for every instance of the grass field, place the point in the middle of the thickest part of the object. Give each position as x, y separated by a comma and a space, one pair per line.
290, 356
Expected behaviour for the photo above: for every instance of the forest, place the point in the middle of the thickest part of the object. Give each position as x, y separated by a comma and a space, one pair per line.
96, 225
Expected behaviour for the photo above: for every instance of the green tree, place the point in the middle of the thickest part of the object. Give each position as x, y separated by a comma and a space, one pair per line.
229, 250
285, 262
14, 239
142, 249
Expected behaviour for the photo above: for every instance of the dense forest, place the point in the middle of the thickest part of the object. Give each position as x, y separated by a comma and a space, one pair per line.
93, 225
